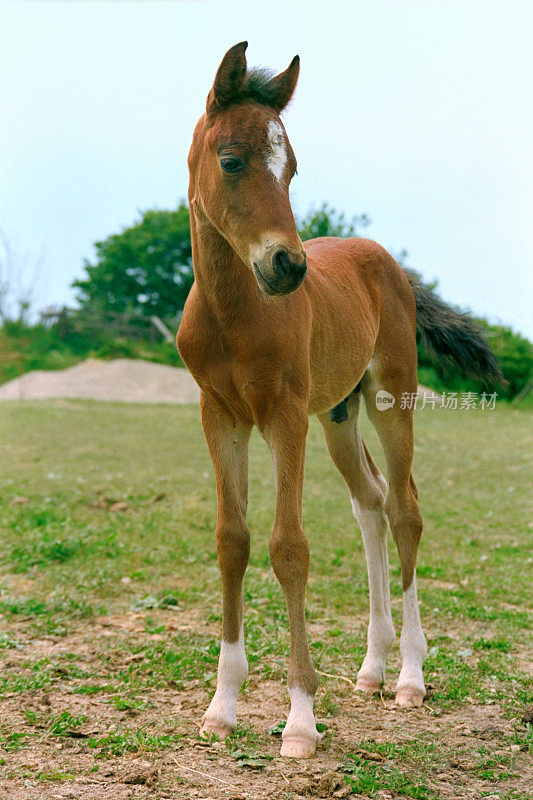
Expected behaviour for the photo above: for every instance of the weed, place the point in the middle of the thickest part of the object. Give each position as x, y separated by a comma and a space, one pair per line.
245, 746
129, 703
63, 723
13, 741
369, 777
127, 740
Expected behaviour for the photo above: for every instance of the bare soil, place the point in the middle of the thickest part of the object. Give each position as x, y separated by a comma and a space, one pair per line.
192, 768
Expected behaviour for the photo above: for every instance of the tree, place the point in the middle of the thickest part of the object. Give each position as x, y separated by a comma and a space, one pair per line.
146, 269
325, 221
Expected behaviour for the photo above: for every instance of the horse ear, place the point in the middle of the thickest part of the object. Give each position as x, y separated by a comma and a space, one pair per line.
283, 85
229, 77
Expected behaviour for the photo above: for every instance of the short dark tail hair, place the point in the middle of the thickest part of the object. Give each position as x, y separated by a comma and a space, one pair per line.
452, 337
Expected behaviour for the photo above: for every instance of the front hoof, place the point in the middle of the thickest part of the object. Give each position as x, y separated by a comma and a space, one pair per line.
368, 685
216, 727
298, 747
409, 697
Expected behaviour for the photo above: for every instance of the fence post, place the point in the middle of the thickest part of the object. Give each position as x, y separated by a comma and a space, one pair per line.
162, 328
62, 323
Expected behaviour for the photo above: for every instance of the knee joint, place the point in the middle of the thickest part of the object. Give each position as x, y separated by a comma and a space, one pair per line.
289, 554
233, 546
404, 517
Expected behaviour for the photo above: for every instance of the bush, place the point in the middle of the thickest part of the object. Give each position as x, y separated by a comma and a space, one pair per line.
24, 348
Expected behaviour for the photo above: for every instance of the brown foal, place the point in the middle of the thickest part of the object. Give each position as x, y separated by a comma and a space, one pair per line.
275, 330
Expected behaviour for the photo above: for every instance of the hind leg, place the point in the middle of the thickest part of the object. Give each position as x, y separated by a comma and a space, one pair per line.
368, 490
395, 429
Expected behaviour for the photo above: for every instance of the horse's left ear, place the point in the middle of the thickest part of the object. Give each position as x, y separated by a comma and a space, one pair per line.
283, 85
229, 77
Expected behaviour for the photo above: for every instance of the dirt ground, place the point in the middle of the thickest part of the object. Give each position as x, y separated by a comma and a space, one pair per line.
67, 767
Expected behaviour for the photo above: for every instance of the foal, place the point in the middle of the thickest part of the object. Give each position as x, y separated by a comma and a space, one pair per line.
274, 330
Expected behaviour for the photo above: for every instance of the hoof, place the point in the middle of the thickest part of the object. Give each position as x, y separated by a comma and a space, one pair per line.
409, 697
216, 727
298, 747
368, 686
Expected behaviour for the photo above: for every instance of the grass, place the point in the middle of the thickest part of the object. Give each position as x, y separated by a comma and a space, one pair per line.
368, 778
78, 552
130, 741
67, 559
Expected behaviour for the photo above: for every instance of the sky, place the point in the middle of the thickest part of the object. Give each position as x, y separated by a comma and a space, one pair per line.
416, 113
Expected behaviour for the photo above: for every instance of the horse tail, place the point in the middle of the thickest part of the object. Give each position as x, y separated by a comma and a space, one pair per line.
453, 337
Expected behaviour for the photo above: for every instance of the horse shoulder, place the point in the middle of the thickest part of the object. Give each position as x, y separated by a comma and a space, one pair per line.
196, 339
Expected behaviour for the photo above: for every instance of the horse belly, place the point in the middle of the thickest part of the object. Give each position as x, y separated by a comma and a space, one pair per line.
342, 346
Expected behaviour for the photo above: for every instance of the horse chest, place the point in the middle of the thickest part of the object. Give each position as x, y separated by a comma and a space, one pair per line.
219, 364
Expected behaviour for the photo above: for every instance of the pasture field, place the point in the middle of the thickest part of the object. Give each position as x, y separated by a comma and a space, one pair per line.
110, 615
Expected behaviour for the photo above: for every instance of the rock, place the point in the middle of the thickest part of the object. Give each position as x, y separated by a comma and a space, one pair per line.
120, 506
18, 500
324, 786
142, 775
344, 791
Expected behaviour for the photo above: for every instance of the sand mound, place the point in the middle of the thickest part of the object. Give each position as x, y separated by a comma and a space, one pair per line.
125, 379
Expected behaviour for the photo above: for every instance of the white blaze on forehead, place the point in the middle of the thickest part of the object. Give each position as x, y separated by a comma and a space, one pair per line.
276, 158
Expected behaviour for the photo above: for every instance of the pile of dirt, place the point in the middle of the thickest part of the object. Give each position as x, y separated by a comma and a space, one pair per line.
126, 379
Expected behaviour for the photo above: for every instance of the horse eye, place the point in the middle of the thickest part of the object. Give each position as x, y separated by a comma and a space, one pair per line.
231, 164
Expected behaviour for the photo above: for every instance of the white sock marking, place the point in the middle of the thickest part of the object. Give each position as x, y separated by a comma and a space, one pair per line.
412, 642
232, 672
380, 638
301, 719
276, 158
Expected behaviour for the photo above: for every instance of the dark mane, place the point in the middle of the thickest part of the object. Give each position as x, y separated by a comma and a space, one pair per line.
256, 87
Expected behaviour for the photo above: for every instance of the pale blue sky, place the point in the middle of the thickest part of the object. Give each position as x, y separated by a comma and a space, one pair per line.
418, 113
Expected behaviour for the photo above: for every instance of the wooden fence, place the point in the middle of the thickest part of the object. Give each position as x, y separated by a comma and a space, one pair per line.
109, 323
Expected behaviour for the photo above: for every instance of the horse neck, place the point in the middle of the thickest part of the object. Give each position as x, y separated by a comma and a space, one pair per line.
225, 283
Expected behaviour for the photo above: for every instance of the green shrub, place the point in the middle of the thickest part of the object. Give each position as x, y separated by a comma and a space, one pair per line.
24, 348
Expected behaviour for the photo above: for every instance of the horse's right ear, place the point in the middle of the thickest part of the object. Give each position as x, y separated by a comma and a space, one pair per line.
229, 77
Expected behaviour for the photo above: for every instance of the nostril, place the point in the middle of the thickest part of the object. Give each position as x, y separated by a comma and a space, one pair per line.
302, 268
281, 263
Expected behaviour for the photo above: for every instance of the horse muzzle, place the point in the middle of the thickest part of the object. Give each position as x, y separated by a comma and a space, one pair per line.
280, 272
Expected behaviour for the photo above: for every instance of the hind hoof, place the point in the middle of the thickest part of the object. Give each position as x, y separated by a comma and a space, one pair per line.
298, 747
216, 727
409, 697
368, 686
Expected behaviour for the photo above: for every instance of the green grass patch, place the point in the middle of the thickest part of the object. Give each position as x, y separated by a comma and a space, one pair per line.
70, 459
368, 778
128, 740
